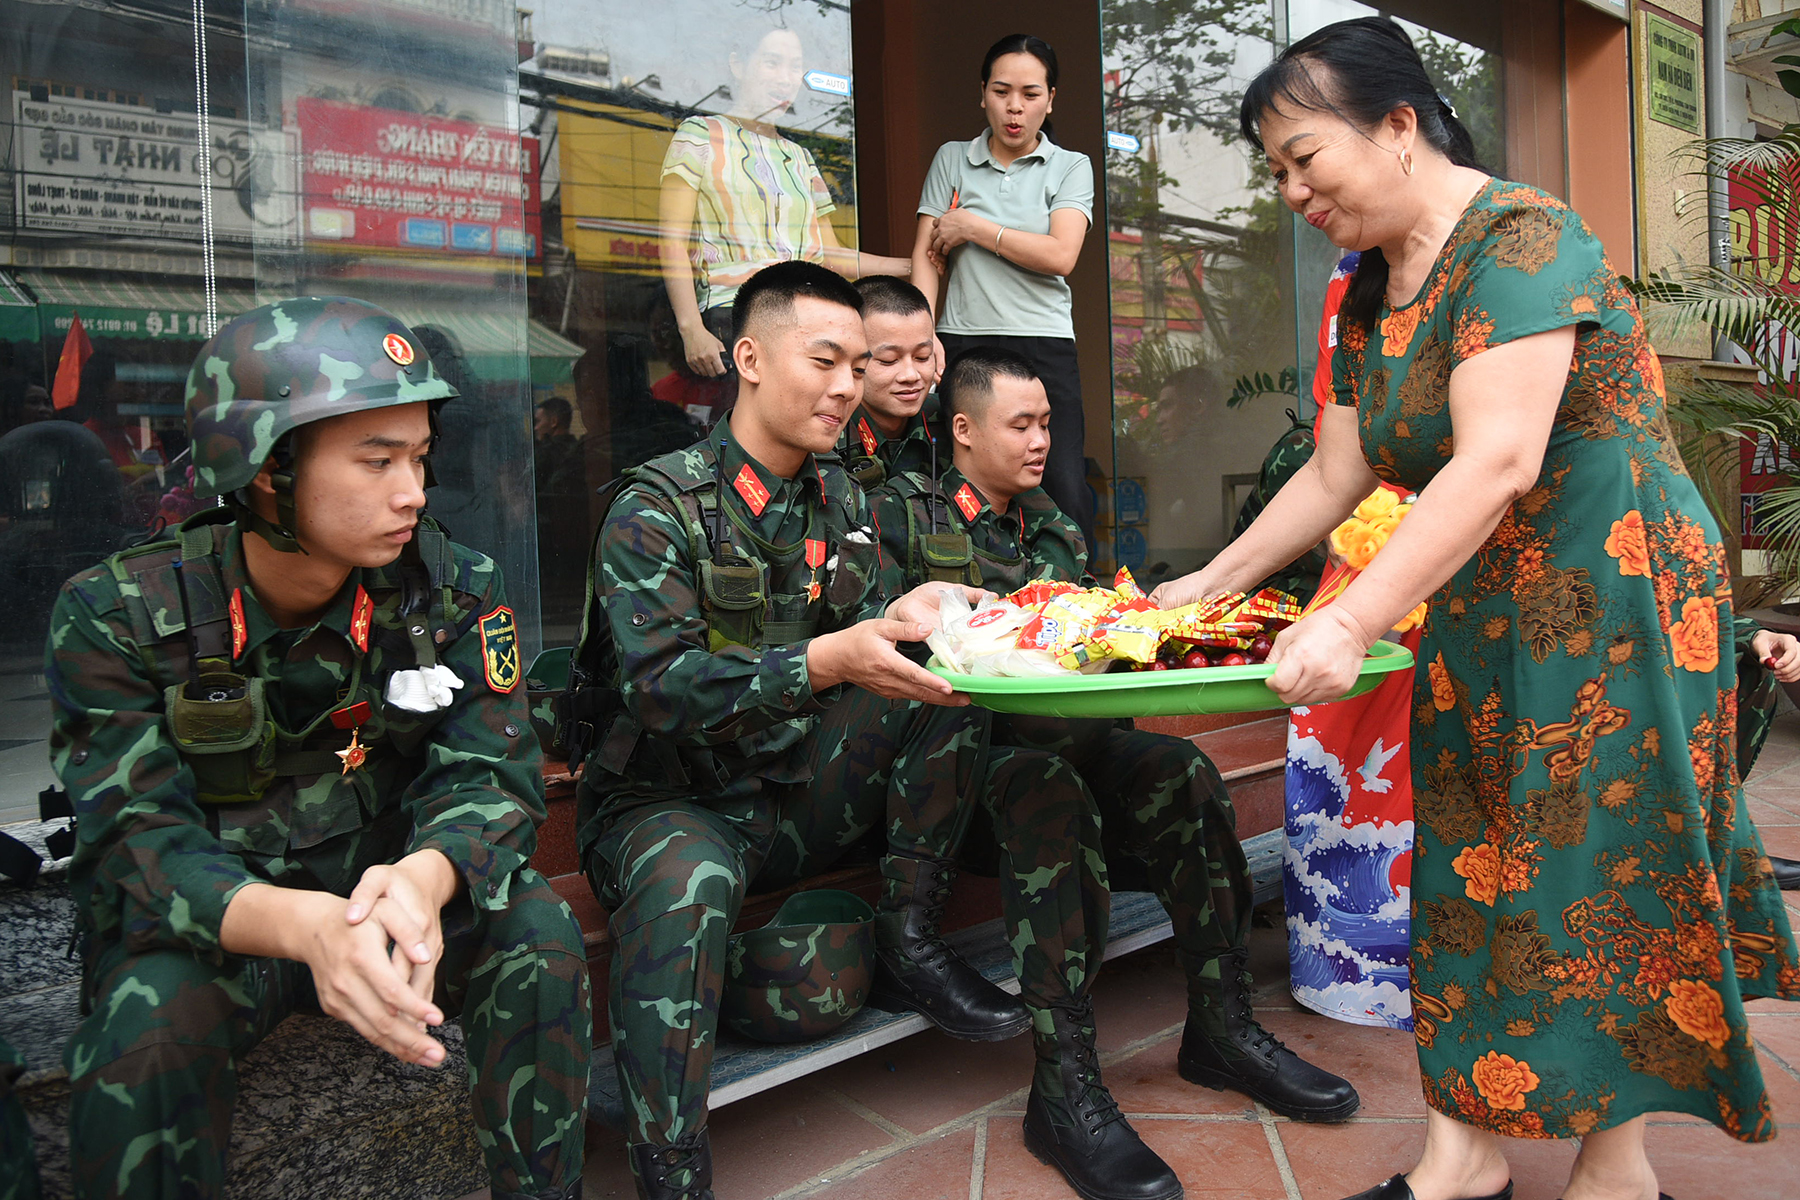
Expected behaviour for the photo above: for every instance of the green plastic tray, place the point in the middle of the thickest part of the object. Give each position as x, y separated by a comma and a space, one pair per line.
1156, 693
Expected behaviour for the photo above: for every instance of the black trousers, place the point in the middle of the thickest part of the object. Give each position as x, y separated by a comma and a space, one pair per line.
1065, 473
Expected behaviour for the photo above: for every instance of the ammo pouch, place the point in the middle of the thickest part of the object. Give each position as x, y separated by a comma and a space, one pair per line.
220, 723
949, 558
734, 592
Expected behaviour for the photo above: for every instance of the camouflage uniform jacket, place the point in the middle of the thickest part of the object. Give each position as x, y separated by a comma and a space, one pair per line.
156, 866
1291, 451
1004, 551
702, 708
872, 456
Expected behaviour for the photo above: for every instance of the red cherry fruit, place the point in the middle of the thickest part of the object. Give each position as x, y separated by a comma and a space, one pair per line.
1259, 649
1158, 665
1195, 658
1234, 659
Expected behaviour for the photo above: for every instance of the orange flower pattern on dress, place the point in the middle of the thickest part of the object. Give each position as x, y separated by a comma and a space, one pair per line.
1397, 330
1480, 866
1443, 693
1566, 875
1503, 1080
1627, 544
1697, 1011
1695, 638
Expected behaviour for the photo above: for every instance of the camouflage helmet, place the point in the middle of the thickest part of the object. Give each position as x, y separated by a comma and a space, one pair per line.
287, 364
804, 973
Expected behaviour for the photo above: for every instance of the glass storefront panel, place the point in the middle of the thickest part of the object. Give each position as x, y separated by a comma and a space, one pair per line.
398, 175
103, 303
673, 169
1216, 290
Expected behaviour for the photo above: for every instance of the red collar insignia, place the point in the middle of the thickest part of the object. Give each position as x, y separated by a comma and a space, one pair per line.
967, 501
751, 489
815, 553
240, 629
361, 616
870, 444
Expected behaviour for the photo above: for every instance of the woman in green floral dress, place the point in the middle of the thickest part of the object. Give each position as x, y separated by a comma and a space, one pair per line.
1591, 905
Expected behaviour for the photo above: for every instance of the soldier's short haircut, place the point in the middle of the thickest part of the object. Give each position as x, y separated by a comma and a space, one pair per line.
771, 292
968, 382
559, 409
891, 296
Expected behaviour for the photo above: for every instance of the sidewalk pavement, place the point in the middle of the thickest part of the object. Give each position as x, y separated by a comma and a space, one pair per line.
930, 1118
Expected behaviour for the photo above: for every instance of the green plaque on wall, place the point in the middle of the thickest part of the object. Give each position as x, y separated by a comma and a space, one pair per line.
1672, 61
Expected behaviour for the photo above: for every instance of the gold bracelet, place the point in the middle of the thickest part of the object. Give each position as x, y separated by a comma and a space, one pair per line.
997, 238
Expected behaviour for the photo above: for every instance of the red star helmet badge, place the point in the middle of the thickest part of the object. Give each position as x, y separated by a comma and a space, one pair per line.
751, 489
868, 436
967, 501
398, 349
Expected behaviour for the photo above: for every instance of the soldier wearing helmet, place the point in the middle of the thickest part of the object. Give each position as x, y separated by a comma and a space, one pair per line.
294, 736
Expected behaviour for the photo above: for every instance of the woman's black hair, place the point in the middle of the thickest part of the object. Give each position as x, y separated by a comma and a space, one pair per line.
1369, 68
1022, 43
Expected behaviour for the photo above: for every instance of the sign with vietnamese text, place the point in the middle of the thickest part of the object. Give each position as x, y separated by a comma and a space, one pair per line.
375, 177
1673, 63
85, 166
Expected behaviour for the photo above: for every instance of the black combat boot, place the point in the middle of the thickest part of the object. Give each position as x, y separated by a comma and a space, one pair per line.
571, 1191
681, 1170
916, 972
1073, 1123
1223, 1047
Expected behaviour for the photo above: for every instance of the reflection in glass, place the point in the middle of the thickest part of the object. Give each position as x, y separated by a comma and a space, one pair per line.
1201, 294
412, 188
674, 168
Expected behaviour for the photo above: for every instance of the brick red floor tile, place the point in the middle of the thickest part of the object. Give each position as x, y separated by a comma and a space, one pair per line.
773, 1141
930, 1078
1698, 1162
1381, 1063
1147, 1082
935, 1169
1217, 1160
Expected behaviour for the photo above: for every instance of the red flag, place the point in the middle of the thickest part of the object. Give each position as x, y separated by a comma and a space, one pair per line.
76, 350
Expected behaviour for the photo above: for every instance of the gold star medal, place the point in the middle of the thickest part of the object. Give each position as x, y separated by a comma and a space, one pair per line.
354, 755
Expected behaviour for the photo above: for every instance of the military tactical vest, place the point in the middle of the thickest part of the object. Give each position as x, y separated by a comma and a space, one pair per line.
953, 556
217, 717
741, 575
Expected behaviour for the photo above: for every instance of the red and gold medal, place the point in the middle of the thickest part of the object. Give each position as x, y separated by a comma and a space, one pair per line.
352, 717
815, 558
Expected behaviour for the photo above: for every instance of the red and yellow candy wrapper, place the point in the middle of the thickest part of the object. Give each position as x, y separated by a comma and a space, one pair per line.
1065, 621
1035, 593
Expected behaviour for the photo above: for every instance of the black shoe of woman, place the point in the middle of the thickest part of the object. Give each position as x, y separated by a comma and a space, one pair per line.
1398, 1189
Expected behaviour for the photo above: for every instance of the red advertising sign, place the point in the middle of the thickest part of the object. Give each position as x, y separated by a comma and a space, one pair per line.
1765, 244
375, 177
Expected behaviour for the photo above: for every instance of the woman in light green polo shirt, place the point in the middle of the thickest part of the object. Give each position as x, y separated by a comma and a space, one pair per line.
1004, 216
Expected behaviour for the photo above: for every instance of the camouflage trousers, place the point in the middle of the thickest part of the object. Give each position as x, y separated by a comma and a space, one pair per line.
18, 1153
1161, 801
674, 874
153, 1067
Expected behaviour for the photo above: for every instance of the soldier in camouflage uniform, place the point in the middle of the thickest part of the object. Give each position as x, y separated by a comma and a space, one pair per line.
895, 431
734, 597
283, 764
1160, 798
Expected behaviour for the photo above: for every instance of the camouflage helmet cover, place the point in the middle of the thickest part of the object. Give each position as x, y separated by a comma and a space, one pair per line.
287, 364
804, 973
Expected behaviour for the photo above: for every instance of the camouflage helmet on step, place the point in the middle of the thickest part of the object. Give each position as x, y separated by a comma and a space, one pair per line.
804, 973
288, 364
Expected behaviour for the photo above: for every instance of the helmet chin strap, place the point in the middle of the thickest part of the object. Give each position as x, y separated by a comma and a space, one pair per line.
280, 532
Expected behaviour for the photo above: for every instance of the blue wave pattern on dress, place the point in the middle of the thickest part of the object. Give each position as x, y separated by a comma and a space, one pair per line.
1348, 925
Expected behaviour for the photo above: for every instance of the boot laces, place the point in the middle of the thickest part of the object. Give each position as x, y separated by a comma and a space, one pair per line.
676, 1158
1254, 1038
1095, 1101
933, 951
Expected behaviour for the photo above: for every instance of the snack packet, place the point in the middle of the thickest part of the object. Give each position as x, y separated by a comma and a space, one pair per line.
1064, 622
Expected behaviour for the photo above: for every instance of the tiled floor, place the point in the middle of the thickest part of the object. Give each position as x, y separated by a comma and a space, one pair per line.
934, 1119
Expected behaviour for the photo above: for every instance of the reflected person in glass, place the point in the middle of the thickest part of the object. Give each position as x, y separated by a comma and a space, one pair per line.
738, 196
1591, 902
1004, 215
